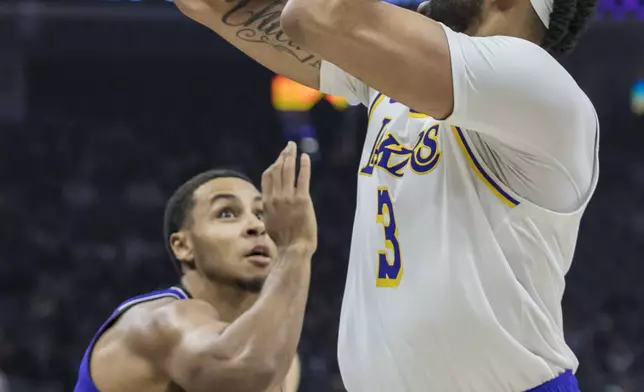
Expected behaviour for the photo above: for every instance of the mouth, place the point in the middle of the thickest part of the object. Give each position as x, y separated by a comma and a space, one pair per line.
259, 256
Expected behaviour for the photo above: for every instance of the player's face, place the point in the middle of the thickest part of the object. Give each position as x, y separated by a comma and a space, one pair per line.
459, 15
227, 233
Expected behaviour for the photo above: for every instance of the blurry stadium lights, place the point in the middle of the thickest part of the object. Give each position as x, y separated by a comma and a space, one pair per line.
637, 97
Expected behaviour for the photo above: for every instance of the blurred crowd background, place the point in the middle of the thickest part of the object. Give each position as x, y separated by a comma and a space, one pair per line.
106, 107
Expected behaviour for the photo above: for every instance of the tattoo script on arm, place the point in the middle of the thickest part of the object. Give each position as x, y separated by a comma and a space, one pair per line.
262, 25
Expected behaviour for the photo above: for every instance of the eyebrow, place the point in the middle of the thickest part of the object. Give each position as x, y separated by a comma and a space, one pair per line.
221, 196
228, 196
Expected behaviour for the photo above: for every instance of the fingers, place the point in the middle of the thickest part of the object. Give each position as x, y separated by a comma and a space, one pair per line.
279, 179
304, 177
276, 174
267, 180
272, 177
288, 170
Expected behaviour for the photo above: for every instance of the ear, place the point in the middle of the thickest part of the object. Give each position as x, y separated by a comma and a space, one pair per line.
182, 248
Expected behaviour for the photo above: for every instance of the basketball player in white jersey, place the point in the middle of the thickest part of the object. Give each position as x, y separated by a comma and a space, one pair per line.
235, 323
479, 160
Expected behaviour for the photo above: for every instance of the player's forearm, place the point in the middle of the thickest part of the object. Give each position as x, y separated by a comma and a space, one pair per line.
253, 26
271, 329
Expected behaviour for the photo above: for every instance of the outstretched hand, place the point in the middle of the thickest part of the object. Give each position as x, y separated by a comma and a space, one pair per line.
289, 214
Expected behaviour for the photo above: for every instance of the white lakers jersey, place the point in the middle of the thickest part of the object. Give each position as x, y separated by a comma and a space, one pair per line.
465, 228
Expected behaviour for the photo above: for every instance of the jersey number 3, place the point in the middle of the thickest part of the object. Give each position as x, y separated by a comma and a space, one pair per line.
390, 269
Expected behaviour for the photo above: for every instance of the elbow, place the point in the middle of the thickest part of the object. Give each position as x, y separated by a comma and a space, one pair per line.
302, 20
295, 17
233, 375
192, 8
261, 374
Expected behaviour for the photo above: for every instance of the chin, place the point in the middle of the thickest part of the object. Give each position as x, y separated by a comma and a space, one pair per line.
252, 285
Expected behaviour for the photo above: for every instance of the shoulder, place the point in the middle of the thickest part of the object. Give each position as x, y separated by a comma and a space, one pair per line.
509, 56
152, 328
114, 354
499, 45
133, 316
528, 78
163, 339
166, 319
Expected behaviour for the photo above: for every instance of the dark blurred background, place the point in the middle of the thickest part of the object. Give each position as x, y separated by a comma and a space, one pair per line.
107, 106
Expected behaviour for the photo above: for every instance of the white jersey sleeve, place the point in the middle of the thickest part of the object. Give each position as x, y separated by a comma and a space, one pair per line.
511, 92
334, 81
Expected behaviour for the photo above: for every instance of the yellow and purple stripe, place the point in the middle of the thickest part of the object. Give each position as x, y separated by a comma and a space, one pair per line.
480, 173
376, 102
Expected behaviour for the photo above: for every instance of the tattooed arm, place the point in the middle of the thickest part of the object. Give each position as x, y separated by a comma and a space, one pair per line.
253, 26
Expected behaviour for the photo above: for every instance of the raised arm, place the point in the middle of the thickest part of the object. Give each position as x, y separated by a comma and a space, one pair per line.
253, 26
501, 86
400, 53
508, 89
198, 352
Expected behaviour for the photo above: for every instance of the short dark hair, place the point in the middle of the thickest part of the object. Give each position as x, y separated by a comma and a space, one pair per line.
568, 20
180, 204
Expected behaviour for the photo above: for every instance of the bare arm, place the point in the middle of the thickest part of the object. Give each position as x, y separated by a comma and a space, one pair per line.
400, 53
292, 381
501, 86
198, 352
253, 26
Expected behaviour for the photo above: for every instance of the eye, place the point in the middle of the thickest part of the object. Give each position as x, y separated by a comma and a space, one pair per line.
260, 215
226, 214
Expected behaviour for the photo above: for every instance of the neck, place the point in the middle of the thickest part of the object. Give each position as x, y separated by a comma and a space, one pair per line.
516, 20
229, 301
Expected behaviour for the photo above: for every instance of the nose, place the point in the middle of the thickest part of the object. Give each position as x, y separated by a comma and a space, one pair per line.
255, 227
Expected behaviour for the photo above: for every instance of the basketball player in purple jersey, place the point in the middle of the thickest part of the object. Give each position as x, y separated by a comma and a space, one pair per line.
235, 322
